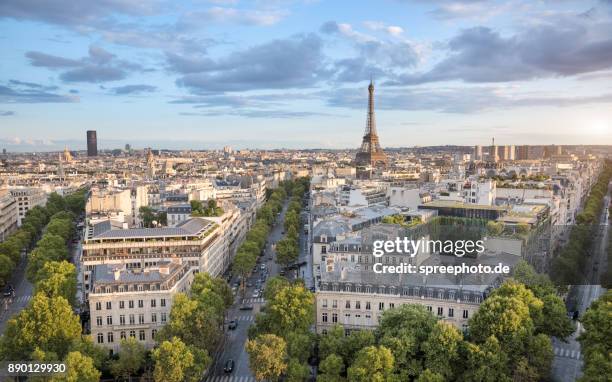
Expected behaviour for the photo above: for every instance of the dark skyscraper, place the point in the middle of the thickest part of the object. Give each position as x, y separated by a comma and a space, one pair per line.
92, 143
370, 154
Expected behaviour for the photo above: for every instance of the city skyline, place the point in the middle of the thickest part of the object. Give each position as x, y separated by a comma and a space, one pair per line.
294, 74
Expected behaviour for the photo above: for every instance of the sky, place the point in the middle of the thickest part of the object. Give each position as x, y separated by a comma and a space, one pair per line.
293, 74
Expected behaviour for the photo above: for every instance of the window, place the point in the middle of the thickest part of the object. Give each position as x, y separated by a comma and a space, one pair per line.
334, 317
391, 305
141, 318
440, 311
324, 303
163, 317
348, 304
141, 335
324, 317
98, 306
122, 335
368, 307
153, 317
381, 306
451, 312
122, 319
133, 333
109, 305
131, 304
121, 304
357, 304
334, 303
109, 320
162, 302
132, 321
141, 303
153, 303
153, 333
100, 338
110, 336
465, 314
429, 308
99, 321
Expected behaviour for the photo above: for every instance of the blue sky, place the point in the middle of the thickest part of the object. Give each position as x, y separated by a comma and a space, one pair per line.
282, 73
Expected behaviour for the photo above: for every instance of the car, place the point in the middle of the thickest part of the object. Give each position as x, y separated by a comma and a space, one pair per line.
262, 267
246, 307
8, 292
229, 366
232, 325
282, 273
256, 294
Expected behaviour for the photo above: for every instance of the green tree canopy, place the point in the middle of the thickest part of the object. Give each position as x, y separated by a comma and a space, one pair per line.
267, 356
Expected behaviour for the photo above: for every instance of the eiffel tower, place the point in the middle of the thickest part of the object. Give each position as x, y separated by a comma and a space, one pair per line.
370, 154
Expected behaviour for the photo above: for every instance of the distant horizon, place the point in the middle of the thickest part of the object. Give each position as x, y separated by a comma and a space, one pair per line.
219, 146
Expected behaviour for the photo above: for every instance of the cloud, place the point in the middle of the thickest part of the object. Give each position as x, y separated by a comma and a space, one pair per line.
6, 113
51, 61
27, 94
374, 56
267, 114
393, 30
568, 47
474, 9
235, 16
278, 64
99, 66
455, 99
73, 12
133, 89
32, 85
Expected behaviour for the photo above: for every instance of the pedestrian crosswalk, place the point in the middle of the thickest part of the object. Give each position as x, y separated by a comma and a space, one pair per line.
567, 353
243, 318
253, 300
22, 299
229, 378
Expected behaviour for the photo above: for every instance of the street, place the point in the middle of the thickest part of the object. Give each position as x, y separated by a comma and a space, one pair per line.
23, 294
567, 364
234, 347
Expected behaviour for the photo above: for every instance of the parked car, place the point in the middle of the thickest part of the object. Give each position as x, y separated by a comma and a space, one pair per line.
246, 307
229, 366
256, 294
9, 291
232, 325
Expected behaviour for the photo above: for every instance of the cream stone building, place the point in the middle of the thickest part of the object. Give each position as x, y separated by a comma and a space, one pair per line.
129, 302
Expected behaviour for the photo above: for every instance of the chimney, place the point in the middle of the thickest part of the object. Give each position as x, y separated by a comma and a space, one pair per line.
164, 269
117, 273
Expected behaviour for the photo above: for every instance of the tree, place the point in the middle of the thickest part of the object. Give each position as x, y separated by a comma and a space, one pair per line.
47, 324
55, 203
194, 323
403, 330
147, 215
331, 369
299, 345
131, 359
6, 269
204, 283
292, 309
595, 340
275, 285
332, 342
296, 371
79, 368
177, 362
267, 354
442, 350
60, 227
243, 264
57, 278
485, 362
430, 376
495, 228
287, 251
372, 364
